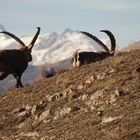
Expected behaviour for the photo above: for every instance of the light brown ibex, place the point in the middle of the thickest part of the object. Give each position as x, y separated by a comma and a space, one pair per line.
15, 61
81, 58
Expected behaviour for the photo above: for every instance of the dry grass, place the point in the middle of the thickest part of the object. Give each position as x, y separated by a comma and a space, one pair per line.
83, 121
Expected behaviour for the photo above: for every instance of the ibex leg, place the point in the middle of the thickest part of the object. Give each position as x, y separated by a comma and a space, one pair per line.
18, 78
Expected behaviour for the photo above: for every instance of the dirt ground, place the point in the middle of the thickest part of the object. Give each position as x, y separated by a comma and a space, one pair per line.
99, 101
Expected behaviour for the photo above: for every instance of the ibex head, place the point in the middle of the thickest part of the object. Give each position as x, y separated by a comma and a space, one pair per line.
26, 49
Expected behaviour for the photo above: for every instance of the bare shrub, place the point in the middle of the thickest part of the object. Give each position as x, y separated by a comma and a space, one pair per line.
47, 72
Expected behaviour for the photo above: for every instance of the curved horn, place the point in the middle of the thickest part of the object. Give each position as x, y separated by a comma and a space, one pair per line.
97, 40
112, 39
14, 37
35, 38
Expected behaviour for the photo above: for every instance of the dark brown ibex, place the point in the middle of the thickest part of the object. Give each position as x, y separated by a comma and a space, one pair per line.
81, 58
15, 61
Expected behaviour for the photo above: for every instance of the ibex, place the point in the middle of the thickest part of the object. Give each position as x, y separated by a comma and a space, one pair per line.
15, 61
81, 58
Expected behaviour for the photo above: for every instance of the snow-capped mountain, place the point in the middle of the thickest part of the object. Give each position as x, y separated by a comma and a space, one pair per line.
50, 48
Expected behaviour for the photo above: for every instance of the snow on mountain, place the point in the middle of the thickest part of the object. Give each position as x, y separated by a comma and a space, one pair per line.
51, 48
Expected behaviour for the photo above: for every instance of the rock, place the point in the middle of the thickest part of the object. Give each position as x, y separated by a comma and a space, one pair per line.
100, 113
52, 138
67, 92
22, 114
48, 97
23, 111
21, 125
96, 99
138, 70
61, 112
110, 119
75, 108
15, 111
90, 80
118, 93
30, 135
44, 138
111, 71
39, 107
74, 95
52, 98
101, 76
44, 115
28, 107
34, 110
84, 97
65, 110
113, 98
80, 87
84, 109
92, 107
43, 102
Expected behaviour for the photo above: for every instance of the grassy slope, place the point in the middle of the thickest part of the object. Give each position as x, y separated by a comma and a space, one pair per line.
76, 113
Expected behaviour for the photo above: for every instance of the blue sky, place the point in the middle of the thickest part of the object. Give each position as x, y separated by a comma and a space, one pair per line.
122, 17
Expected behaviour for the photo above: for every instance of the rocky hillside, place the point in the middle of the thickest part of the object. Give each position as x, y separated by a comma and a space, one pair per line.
100, 101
